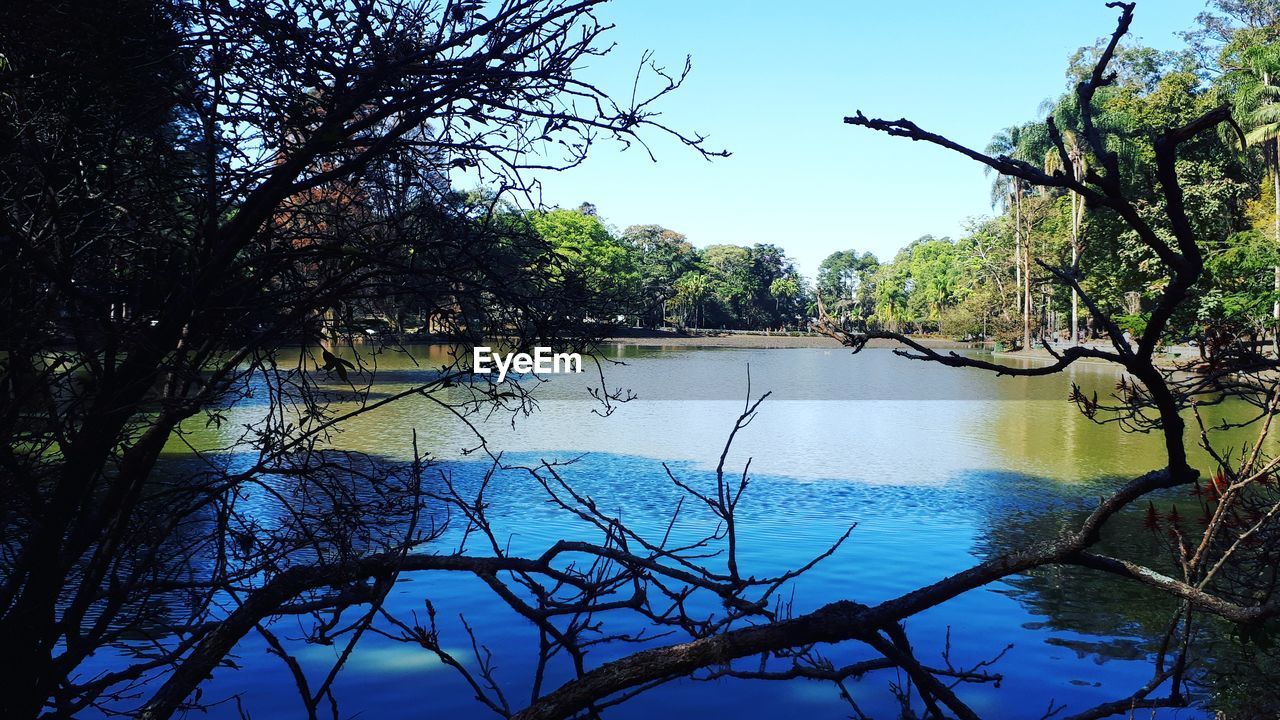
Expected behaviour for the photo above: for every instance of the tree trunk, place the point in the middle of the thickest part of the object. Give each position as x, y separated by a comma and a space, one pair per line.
1017, 250
1026, 271
1077, 208
1275, 189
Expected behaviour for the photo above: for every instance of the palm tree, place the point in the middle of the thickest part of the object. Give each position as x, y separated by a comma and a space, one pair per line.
1261, 104
1013, 142
1111, 123
1077, 158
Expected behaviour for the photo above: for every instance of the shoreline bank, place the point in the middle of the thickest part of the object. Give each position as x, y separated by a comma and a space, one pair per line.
760, 341
780, 341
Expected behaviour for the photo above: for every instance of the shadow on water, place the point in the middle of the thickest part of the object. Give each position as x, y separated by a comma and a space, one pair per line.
933, 486
1077, 640
1100, 618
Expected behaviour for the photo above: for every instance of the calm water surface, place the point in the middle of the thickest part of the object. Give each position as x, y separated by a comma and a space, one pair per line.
937, 468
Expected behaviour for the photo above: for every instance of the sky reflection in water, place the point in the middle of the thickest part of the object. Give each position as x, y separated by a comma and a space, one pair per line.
931, 483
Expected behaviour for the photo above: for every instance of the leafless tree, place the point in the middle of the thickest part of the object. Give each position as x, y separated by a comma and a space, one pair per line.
292, 176
186, 188
1241, 504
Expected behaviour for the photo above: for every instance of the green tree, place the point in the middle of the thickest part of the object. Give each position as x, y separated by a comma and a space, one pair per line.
692, 291
1258, 101
844, 283
769, 264
604, 263
937, 272
893, 294
729, 270
784, 288
1009, 191
661, 257
1076, 166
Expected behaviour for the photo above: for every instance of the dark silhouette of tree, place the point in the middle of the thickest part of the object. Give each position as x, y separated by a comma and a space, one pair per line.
1153, 398
188, 188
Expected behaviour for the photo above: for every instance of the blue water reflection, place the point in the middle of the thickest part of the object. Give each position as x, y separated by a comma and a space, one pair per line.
932, 485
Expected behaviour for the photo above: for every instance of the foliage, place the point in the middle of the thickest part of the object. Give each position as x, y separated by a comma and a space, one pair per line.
970, 287
646, 268
213, 206
590, 251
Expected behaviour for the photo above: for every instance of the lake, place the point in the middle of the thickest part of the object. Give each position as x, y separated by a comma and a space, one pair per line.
936, 467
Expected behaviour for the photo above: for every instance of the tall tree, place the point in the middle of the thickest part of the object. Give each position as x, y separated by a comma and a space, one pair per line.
661, 256
844, 280
186, 190
593, 254
783, 288
1015, 142
1075, 158
1259, 98
692, 290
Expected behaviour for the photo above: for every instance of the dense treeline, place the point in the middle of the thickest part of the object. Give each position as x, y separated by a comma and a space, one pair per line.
648, 275
992, 281
989, 283
199, 203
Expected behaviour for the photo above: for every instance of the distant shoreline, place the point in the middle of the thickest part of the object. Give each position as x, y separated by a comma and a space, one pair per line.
659, 338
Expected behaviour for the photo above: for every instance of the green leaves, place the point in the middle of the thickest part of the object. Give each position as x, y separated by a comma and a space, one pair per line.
591, 255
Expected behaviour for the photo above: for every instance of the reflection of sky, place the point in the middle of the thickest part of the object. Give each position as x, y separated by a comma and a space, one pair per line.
923, 479
872, 417
906, 535
401, 658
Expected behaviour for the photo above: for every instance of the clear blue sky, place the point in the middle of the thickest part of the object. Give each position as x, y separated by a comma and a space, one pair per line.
772, 81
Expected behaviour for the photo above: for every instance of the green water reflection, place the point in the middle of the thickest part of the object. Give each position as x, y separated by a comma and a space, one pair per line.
873, 417
937, 466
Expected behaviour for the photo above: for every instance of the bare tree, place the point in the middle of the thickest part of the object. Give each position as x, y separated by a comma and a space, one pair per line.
188, 187
290, 177
1153, 399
